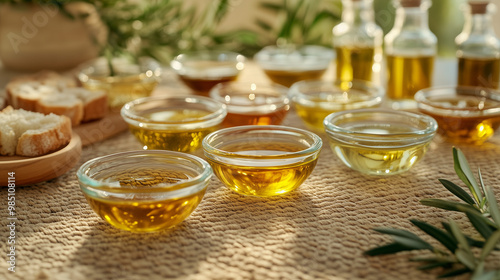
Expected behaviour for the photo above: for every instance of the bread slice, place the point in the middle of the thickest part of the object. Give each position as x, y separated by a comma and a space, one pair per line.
62, 104
27, 133
48, 92
95, 103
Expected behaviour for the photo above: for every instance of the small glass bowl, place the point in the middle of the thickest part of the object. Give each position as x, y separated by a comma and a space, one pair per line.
464, 114
251, 103
314, 100
379, 141
290, 64
173, 123
261, 160
202, 70
144, 191
128, 80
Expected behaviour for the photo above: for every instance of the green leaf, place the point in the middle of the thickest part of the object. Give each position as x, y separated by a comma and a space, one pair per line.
417, 244
489, 275
272, 6
443, 237
466, 258
456, 272
459, 236
447, 205
391, 248
490, 244
465, 174
480, 223
435, 265
471, 241
492, 205
457, 191
397, 232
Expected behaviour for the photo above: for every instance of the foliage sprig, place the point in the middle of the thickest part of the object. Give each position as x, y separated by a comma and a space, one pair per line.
456, 255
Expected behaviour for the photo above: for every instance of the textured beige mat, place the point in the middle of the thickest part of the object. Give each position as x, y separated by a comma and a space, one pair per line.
318, 232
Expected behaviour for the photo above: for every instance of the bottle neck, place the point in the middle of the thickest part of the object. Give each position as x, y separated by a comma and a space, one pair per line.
478, 24
357, 12
411, 18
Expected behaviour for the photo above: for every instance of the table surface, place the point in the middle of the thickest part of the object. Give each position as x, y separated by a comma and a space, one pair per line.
319, 231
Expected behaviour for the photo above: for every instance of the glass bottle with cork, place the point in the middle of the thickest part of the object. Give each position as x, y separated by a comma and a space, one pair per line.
410, 49
478, 48
358, 42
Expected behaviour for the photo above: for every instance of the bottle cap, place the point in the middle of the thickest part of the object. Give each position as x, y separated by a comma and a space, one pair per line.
410, 3
478, 7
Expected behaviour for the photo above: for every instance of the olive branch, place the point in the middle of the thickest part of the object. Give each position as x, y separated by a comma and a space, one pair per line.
456, 255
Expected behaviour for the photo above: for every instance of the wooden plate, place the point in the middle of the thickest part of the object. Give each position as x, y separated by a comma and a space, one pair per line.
32, 170
102, 129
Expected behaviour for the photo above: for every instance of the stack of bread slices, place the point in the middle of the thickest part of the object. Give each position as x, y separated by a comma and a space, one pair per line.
48, 92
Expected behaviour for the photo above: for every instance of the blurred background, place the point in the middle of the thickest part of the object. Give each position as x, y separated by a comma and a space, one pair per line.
30, 32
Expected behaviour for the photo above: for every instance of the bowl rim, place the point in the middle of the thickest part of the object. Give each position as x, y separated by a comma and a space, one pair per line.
425, 104
194, 55
315, 147
281, 98
87, 183
322, 58
299, 97
131, 118
331, 129
147, 66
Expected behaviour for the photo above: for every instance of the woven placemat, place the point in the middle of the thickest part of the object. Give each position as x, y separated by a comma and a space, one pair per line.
317, 232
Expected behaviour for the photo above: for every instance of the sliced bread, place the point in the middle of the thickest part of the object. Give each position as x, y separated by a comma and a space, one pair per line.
26, 133
49, 92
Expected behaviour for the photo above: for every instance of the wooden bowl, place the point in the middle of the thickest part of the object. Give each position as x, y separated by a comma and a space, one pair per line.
32, 170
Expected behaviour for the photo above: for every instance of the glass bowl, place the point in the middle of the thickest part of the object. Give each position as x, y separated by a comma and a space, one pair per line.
290, 64
202, 70
252, 103
314, 100
173, 123
464, 114
144, 191
379, 141
126, 81
261, 160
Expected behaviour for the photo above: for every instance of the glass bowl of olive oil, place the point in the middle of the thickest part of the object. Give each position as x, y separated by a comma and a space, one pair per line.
176, 123
123, 80
379, 141
288, 64
144, 191
252, 103
313, 100
262, 160
202, 70
468, 115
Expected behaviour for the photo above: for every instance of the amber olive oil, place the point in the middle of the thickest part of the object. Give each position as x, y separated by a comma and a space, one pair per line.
289, 77
474, 129
479, 72
142, 211
274, 177
377, 158
354, 63
177, 138
407, 75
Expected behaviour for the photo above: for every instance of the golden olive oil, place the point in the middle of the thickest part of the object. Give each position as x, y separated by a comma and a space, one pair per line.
273, 118
479, 72
317, 109
407, 75
270, 179
138, 213
375, 158
123, 89
289, 77
354, 63
175, 139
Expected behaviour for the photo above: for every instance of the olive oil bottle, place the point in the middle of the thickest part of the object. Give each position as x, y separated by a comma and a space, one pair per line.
357, 41
410, 49
478, 49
